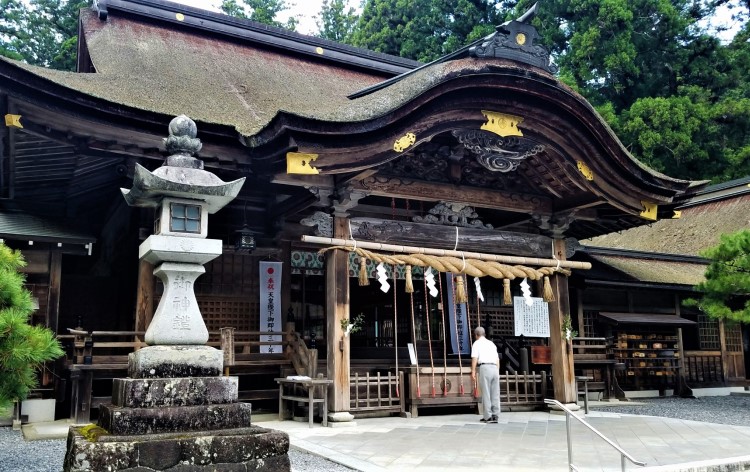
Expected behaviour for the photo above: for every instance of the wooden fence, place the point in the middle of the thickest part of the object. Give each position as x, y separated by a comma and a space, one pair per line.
523, 389
704, 367
376, 392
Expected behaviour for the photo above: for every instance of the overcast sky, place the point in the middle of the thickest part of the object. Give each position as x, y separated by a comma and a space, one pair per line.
306, 10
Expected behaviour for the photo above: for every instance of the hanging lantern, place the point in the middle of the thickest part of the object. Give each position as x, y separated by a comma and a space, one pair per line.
244, 241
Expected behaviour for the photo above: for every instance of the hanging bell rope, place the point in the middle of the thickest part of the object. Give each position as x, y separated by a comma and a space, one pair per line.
429, 337
442, 334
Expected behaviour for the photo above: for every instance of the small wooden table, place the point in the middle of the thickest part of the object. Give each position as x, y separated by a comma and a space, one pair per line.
310, 385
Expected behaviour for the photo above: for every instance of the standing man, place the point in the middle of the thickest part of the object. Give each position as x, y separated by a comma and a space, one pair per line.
484, 357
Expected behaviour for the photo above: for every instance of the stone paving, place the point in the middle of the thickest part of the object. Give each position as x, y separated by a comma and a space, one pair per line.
521, 441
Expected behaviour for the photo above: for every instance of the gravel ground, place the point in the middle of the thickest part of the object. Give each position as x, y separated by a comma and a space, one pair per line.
17, 455
734, 410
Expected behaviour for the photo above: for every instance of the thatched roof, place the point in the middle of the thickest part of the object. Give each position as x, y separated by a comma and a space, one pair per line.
655, 271
698, 228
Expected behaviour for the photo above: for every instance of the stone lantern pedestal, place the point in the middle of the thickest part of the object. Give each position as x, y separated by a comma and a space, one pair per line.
174, 411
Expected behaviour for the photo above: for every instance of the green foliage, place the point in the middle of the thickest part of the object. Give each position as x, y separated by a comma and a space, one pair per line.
262, 11
336, 21
726, 290
41, 32
23, 348
423, 29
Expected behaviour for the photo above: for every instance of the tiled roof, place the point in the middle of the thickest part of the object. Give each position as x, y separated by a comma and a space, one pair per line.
22, 226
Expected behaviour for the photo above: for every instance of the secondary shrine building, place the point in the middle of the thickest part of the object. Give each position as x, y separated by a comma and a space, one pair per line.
472, 181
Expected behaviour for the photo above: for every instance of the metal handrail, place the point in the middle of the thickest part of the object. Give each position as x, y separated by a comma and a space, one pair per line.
568, 413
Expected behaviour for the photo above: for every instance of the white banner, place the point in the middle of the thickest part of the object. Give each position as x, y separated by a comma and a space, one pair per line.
531, 320
460, 323
270, 305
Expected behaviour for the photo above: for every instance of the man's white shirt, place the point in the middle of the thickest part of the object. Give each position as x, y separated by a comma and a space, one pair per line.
484, 351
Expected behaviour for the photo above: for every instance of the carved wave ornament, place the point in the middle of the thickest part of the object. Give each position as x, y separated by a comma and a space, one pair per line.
496, 153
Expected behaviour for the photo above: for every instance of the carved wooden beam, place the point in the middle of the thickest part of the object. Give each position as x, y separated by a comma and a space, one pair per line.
444, 237
425, 191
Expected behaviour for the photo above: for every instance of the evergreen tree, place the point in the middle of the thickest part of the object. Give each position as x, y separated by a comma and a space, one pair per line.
423, 29
261, 11
23, 348
41, 32
726, 290
336, 21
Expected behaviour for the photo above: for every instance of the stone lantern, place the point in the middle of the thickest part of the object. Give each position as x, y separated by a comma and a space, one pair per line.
183, 194
175, 411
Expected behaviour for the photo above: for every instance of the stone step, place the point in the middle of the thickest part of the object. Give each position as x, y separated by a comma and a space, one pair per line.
253, 448
146, 393
119, 420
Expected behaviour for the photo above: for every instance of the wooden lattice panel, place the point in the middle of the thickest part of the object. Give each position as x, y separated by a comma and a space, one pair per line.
708, 332
501, 320
588, 324
223, 312
733, 334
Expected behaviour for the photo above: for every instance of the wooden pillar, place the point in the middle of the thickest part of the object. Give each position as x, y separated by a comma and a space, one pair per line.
144, 307
337, 309
563, 378
724, 353
53, 296
286, 280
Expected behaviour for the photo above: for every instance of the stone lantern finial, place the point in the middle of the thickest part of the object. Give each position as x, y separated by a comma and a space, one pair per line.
182, 143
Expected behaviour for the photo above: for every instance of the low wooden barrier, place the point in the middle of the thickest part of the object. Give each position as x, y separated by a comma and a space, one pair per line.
376, 393
94, 356
704, 367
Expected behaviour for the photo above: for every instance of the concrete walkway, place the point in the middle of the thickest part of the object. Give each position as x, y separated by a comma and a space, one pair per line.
522, 441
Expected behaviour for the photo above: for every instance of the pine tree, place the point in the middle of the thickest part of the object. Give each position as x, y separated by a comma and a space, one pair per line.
726, 290
23, 348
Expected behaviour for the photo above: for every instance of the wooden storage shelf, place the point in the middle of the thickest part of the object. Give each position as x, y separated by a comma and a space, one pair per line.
663, 370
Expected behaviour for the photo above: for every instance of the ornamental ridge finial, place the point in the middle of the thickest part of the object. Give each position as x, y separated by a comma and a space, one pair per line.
182, 143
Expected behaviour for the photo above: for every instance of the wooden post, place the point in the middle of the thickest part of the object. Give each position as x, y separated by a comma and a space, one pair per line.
53, 304
53, 298
286, 280
227, 346
337, 309
563, 379
144, 308
724, 353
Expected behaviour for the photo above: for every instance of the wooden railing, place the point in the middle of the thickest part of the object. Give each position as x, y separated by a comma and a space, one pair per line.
704, 367
103, 355
376, 392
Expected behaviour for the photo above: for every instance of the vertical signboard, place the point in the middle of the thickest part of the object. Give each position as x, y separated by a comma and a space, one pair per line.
270, 305
458, 322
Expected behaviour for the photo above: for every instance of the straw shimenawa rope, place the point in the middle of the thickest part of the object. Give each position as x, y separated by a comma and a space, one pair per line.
472, 267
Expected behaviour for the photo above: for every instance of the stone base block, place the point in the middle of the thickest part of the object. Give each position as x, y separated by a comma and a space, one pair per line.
175, 361
145, 393
118, 420
90, 448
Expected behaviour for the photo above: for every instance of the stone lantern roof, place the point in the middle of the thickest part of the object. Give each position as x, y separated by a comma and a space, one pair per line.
182, 175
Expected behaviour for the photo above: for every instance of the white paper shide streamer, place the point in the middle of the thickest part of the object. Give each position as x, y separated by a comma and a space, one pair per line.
478, 286
383, 278
430, 278
526, 292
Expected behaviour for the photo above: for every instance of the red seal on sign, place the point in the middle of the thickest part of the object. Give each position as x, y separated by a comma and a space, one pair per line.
270, 270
